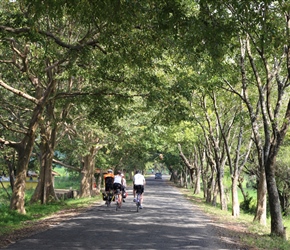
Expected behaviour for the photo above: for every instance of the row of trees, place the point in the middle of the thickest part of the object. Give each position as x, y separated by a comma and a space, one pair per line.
115, 83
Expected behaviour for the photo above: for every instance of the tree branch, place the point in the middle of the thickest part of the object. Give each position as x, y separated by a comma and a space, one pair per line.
66, 166
18, 92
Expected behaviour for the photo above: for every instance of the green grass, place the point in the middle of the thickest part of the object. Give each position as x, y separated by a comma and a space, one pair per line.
63, 182
11, 220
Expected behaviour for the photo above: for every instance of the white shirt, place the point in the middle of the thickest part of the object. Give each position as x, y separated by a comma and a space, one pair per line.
139, 179
118, 179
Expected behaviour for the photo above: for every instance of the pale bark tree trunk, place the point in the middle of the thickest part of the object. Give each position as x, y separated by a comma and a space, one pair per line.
25, 147
261, 191
98, 182
24, 150
197, 182
189, 166
236, 172
44, 191
261, 213
235, 197
203, 170
86, 188
196, 172
220, 177
174, 176
215, 192
219, 154
87, 182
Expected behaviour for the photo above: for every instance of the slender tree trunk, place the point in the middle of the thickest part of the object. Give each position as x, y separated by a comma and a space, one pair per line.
211, 188
174, 176
197, 181
98, 182
260, 215
18, 195
11, 172
240, 185
44, 191
181, 180
86, 183
209, 193
204, 172
235, 197
277, 227
222, 190
215, 193
86, 189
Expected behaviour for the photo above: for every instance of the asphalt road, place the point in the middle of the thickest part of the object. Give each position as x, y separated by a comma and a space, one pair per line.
167, 221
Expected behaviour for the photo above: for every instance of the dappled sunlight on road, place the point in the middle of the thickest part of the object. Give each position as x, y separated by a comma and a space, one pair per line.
167, 221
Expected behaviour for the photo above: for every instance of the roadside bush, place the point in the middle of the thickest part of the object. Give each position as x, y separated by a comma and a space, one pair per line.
249, 205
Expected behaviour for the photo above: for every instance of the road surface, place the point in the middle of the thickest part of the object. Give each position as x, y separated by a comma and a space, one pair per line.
167, 221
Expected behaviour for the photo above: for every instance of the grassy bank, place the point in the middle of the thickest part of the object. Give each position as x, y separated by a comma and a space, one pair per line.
11, 220
248, 232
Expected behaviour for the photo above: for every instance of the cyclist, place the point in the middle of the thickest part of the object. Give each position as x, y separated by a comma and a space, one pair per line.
109, 180
138, 184
118, 184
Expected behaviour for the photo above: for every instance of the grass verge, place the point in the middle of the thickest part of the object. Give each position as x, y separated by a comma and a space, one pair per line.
249, 233
11, 221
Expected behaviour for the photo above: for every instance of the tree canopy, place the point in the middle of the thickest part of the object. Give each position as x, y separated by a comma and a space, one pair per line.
199, 86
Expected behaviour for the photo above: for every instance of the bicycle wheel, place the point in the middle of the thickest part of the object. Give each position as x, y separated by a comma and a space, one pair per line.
138, 202
109, 199
117, 202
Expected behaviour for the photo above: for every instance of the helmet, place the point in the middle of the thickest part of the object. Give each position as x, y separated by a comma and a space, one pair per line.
110, 171
137, 172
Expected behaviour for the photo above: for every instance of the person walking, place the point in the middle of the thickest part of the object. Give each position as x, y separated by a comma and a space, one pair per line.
138, 184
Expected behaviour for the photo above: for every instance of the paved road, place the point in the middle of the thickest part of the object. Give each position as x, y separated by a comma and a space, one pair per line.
167, 221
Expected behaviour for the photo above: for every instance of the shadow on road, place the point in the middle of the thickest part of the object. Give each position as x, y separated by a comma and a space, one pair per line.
167, 221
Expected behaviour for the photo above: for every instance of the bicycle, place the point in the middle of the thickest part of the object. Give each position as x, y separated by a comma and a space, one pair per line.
110, 198
118, 200
138, 198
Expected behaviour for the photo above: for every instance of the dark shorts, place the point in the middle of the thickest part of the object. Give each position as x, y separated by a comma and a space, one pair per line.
139, 189
118, 186
108, 187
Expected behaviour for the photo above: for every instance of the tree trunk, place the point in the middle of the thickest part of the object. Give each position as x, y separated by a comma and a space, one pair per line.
11, 171
181, 180
240, 185
235, 197
174, 176
215, 193
197, 181
260, 215
277, 228
220, 177
87, 183
24, 152
98, 182
44, 191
